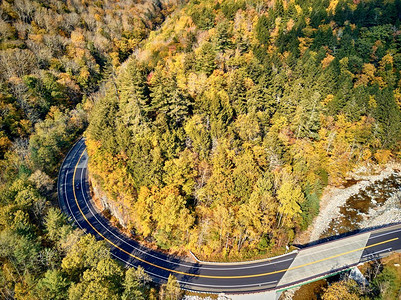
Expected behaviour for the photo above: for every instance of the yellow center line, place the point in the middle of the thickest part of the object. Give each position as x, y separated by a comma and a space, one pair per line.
209, 276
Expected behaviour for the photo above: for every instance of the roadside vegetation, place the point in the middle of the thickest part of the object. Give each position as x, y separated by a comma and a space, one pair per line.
220, 133
384, 277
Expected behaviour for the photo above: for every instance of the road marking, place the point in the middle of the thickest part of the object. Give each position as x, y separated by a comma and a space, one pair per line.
66, 197
383, 234
210, 276
377, 252
68, 204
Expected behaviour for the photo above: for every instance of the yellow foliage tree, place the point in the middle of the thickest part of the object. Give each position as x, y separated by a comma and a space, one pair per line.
289, 197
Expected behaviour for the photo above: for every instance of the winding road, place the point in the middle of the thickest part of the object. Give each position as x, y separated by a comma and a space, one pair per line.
268, 274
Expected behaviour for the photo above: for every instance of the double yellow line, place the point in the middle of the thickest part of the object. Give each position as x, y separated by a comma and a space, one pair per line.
209, 276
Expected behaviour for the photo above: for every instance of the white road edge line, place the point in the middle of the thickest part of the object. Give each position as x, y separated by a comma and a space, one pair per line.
377, 252
65, 194
383, 234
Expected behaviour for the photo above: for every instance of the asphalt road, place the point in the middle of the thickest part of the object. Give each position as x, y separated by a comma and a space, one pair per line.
274, 273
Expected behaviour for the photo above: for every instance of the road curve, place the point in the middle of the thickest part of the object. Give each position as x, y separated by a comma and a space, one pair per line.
268, 274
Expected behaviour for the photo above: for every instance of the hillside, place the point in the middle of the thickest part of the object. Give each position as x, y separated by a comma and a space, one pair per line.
220, 132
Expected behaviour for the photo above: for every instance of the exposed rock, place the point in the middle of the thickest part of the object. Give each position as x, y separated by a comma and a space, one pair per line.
105, 203
388, 213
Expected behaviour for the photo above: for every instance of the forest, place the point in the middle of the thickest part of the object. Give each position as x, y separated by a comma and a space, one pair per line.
219, 134
213, 126
53, 56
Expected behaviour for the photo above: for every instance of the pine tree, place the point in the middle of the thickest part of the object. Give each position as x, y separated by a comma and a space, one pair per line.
167, 98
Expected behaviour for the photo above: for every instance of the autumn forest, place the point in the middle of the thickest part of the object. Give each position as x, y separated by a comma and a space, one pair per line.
212, 126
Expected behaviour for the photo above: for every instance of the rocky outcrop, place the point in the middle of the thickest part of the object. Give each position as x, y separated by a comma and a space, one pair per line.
103, 203
388, 213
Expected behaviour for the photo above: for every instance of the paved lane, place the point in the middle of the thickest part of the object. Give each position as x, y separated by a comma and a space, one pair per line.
228, 277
